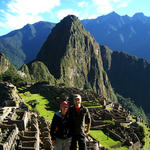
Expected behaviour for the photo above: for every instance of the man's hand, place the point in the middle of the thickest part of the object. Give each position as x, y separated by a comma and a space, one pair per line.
53, 142
87, 130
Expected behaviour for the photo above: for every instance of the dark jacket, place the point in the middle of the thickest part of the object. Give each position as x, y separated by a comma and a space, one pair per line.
77, 119
60, 127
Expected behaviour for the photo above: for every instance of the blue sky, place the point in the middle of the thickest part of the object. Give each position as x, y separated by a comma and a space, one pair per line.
14, 14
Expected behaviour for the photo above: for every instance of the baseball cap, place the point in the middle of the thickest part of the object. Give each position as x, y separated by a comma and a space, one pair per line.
64, 103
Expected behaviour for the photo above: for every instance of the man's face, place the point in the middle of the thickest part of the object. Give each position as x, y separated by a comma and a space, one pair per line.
77, 101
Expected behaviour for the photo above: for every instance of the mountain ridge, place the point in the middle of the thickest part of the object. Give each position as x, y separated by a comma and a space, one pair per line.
16, 45
115, 31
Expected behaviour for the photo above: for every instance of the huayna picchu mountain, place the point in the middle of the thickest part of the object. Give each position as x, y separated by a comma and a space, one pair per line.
73, 57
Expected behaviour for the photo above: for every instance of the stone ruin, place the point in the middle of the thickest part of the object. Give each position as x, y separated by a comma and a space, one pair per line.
116, 124
8, 136
22, 129
93, 144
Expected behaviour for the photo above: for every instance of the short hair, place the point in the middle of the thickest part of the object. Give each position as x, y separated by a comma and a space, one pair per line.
77, 96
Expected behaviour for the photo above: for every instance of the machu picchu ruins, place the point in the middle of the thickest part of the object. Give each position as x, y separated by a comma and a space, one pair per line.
23, 129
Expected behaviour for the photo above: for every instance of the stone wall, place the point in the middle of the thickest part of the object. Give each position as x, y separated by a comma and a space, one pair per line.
9, 136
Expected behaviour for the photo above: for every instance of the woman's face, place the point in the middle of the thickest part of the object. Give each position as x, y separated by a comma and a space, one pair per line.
64, 109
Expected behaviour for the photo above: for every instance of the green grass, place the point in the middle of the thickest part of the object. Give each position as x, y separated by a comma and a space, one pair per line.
40, 107
105, 141
91, 104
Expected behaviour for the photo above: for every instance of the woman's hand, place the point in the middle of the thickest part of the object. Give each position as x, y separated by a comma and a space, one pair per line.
53, 142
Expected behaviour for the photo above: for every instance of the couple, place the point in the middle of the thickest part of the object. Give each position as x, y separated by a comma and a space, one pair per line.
67, 126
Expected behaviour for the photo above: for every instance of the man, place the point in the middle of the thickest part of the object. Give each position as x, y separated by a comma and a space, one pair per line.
77, 114
60, 131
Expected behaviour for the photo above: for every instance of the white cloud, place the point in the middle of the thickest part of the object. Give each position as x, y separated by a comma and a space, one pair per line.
65, 12
31, 6
2, 24
107, 6
19, 21
82, 4
116, 1
92, 17
125, 4
21, 12
103, 6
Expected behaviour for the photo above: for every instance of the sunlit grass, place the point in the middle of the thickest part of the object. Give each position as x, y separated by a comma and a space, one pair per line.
40, 107
91, 104
105, 141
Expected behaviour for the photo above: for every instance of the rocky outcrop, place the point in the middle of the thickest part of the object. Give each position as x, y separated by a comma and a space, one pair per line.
37, 71
4, 64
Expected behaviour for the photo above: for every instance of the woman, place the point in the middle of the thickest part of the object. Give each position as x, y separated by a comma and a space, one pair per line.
60, 132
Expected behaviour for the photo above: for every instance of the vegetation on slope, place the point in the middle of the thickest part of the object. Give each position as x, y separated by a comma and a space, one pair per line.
9, 73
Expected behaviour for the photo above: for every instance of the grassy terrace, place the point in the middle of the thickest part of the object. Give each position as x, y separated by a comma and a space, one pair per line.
91, 104
106, 141
40, 106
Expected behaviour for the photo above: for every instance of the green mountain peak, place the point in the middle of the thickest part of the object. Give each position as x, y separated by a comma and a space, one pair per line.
73, 56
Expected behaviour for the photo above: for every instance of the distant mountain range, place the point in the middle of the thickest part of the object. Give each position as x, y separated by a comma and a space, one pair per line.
121, 33
21, 46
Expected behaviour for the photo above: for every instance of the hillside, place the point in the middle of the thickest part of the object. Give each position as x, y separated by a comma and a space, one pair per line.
129, 76
5, 65
22, 45
9, 73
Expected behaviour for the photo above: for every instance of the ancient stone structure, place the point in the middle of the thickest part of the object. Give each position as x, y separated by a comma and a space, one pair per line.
8, 136
115, 123
22, 129
93, 144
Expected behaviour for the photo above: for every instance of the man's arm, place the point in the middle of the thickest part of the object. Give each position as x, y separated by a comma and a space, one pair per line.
87, 129
89, 123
